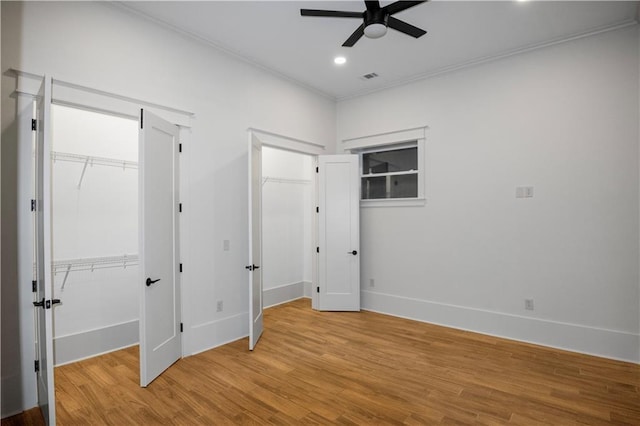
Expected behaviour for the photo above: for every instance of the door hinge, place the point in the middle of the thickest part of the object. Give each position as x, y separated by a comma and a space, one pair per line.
317, 209
179, 147
36, 365
33, 205
34, 124
317, 169
180, 207
141, 118
317, 289
181, 328
34, 286
317, 249
181, 267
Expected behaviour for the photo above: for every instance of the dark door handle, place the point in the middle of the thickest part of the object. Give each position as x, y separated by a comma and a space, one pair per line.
252, 267
150, 281
352, 252
55, 301
39, 304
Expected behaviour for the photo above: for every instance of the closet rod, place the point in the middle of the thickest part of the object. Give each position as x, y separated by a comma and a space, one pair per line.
88, 160
91, 264
93, 161
285, 180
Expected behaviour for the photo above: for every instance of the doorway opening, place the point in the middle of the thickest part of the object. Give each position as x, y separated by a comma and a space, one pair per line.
94, 175
288, 200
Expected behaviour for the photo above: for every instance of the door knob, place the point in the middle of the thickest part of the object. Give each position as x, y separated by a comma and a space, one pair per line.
352, 252
150, 281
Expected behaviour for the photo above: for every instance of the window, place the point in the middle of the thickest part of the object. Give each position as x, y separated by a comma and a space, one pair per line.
390, 172
392, 165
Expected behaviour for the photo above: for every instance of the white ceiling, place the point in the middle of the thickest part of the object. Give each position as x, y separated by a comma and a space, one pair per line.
273, 35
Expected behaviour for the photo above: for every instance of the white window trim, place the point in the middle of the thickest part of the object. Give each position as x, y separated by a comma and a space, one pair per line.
392, 141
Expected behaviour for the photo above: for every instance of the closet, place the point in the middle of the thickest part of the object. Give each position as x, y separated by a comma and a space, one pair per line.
95, 232
287, 209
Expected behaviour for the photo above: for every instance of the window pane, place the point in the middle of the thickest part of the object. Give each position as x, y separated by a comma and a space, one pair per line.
374, 187
401, 186
398, 160
404, 186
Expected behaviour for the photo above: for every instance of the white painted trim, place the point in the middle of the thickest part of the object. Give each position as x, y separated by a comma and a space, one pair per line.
282, 294
233, 54
613, 344
308, 285
87, 98
12, 402
386, 138
287, 143
394, 202
90, 343
490, 58
219, 332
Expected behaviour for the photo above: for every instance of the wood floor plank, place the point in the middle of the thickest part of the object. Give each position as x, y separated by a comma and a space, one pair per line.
353, 368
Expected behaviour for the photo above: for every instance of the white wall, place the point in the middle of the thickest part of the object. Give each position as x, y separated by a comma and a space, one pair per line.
99, 219
564, 120
101, 46
286, 224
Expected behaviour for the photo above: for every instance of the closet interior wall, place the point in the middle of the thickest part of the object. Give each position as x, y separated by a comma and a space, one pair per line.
287, 206
95, 233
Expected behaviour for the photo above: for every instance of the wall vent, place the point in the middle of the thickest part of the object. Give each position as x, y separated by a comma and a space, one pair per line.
369, 76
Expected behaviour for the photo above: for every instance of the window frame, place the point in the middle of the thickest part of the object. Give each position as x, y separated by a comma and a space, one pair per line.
388, 148
390, 142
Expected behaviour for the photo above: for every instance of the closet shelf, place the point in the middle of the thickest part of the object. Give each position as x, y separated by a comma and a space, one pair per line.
266, 179
91, 264
88, 160
93, 161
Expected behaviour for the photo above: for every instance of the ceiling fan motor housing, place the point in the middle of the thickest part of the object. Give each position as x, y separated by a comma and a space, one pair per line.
375, 23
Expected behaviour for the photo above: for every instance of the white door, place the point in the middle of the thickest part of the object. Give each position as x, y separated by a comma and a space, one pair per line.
160, 338
338, 233
44, 301
255, 241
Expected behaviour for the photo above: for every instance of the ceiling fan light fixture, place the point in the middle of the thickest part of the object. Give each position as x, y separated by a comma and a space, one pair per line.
375, 30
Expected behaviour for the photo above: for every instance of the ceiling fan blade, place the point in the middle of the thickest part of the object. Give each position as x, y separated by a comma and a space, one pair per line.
330, 13
403, 27
372, 5
399, 6
357, 34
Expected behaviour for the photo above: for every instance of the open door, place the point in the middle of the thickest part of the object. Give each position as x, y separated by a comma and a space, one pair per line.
338, 233
160, 315
44, 301
255, 241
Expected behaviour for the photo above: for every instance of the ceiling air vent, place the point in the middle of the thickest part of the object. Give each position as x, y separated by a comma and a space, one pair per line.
369, 76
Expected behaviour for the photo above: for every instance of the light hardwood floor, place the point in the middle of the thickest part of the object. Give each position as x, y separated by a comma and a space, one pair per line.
355, 368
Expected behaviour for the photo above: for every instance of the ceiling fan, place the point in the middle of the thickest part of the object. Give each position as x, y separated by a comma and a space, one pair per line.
376, 19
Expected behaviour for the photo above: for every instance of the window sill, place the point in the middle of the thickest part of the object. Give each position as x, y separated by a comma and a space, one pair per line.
394, 202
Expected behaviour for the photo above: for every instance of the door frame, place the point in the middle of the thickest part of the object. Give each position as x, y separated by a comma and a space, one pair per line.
286, 143
83, 97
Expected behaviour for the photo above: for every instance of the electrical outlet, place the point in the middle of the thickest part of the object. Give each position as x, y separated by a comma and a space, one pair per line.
219, 306
372, 282
524, 192
528, 304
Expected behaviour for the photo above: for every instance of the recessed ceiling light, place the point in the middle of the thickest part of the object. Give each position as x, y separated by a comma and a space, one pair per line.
339, 60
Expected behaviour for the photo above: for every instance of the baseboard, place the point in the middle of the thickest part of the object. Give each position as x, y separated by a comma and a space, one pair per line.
307, 289
282, 294
79, 346
217, 333
605, 343
11, 400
